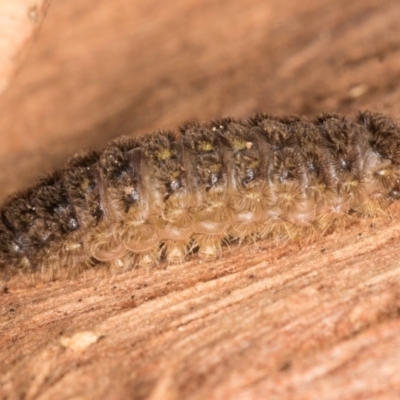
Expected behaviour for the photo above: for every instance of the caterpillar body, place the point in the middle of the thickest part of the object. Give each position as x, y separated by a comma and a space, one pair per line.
166, 196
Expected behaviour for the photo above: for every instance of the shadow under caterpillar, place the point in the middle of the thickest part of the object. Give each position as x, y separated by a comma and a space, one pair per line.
139, 201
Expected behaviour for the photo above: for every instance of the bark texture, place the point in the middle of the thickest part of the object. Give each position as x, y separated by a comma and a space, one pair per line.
297, 320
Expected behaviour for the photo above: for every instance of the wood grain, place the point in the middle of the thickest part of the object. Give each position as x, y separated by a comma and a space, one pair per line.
293, 320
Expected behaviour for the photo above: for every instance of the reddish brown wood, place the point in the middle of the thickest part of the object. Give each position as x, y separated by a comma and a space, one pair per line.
19, 21
302, 320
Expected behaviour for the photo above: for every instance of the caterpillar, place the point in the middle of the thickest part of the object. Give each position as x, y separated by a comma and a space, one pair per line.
167, 196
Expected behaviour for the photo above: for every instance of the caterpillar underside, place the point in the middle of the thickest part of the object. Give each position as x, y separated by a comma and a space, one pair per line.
166, 196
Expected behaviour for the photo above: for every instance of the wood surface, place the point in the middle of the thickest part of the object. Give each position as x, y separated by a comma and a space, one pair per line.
308, 320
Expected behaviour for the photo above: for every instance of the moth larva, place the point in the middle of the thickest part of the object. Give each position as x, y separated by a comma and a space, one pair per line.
159, 197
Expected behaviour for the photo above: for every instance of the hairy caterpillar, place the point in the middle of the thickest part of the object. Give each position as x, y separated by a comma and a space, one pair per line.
164, 195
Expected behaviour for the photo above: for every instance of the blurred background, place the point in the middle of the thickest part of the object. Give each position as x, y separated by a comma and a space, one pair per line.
98, 69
